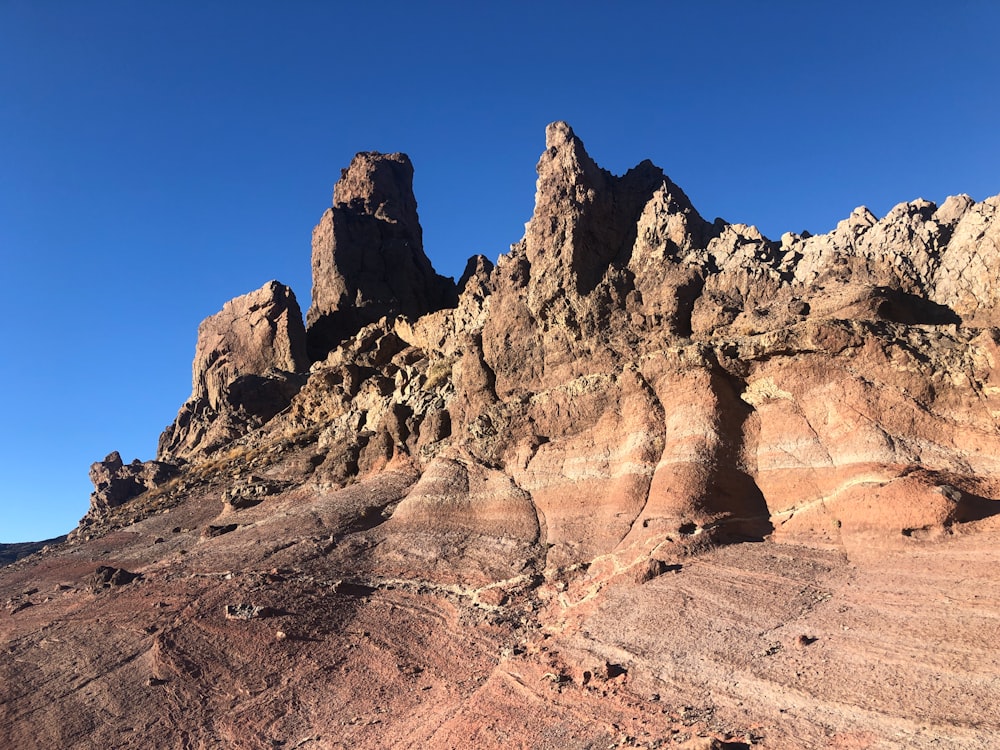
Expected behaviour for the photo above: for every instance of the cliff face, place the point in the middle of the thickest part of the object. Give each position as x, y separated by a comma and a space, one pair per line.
508, 468
629, 378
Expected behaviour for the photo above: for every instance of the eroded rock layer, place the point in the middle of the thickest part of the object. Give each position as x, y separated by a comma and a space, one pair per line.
631, 377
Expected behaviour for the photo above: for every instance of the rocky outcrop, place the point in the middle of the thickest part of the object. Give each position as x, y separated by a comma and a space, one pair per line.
630, 378
368, 256
115, 483
106, 577
247, 367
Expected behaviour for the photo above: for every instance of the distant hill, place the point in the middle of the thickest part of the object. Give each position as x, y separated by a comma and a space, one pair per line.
13, 552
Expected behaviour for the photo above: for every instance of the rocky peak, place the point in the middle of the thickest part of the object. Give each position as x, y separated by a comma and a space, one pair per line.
368, 256
476, 275
584, 216
379, 185
244, 372
251, 335
600, 261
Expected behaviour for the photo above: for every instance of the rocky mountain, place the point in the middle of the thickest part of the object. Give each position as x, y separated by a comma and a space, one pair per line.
649, 481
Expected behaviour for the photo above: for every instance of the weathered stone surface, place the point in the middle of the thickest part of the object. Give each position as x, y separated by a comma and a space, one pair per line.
107, 576
246, 369
459, 499
250, 491
636, 372
368, 256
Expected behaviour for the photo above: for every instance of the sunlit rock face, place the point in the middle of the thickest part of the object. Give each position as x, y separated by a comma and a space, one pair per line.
630, 378
247, 366
645, 379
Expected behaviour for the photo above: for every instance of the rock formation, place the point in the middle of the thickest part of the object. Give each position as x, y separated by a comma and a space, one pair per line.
647, 480
368, 254
246, 369
116, 483
630, 376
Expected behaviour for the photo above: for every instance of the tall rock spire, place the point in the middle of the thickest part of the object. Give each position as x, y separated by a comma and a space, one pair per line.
368, 256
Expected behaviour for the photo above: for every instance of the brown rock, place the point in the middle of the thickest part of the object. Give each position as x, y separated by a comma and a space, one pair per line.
245, 611
565, 286
215, 530
368, 258
461, 521
584, 217
106, 577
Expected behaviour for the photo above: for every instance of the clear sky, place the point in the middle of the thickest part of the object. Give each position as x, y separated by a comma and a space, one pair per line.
160, 158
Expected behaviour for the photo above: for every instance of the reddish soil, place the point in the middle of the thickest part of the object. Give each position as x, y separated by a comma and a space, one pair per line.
756, 645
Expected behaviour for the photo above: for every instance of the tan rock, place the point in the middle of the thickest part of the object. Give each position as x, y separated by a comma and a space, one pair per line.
246, 369
115, 482
456, 533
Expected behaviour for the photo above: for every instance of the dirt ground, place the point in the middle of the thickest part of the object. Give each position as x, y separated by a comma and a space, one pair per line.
765, 644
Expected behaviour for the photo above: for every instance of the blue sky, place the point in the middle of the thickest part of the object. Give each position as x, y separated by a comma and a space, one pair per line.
160, 158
